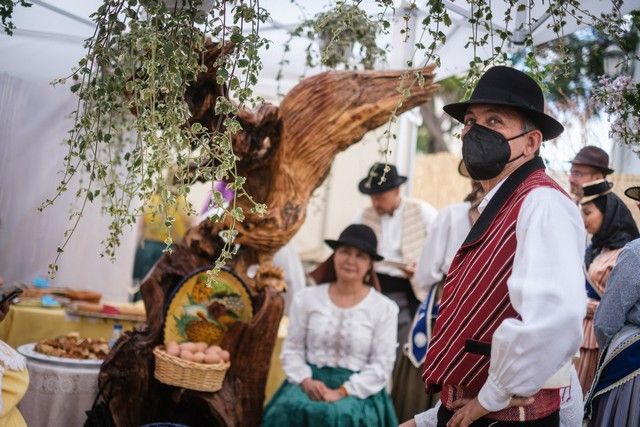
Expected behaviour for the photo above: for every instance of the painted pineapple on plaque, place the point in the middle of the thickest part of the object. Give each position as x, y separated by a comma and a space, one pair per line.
202, 313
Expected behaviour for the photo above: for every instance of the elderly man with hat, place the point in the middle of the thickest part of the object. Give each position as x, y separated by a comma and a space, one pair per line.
401, 225
590, 164
510, 317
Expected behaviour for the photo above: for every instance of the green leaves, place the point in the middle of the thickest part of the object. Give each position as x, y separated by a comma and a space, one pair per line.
222, 75
238, 184
224, 107
259, 209
133, 141
130, 146
339, 30
237, 37
237, 214
6, 11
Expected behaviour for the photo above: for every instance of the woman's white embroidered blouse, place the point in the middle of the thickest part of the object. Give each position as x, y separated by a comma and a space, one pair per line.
361, 338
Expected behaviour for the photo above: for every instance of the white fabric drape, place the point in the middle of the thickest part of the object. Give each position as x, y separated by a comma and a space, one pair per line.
58, 395
34, 121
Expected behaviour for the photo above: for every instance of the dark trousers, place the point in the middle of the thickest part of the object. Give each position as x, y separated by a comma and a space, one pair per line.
553, 420
407, 390
399, 289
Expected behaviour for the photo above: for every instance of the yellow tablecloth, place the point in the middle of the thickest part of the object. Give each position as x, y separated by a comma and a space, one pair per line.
29, 324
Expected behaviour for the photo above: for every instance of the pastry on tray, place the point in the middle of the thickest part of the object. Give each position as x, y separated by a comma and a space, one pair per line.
72, 346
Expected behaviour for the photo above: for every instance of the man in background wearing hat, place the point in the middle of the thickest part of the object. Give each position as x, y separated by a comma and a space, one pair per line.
510, 317
590, 164
401, 225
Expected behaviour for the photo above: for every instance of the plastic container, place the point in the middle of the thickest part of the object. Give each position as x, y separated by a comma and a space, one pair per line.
115, 335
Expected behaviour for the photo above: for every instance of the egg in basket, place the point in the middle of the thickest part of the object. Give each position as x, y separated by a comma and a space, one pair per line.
197, 318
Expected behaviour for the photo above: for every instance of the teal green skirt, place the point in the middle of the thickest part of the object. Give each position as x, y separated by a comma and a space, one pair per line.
290, 406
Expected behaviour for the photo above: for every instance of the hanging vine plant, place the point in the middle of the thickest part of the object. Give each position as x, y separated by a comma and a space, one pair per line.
6, 11
620, 98
132, 124
334, 34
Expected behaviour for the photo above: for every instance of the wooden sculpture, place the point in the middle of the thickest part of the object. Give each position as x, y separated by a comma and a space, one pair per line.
285, 154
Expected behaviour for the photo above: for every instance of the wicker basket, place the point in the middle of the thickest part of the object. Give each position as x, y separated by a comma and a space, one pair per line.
183, 373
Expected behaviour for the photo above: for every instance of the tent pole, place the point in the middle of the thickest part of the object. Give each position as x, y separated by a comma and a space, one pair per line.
63, 12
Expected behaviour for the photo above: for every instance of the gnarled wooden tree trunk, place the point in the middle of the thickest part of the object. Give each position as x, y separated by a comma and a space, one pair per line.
285, 154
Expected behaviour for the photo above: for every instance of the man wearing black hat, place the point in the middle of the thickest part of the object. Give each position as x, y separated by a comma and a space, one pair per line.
590, 164
510, 317
401, 225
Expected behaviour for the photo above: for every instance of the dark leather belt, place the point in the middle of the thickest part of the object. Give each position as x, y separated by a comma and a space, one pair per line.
477, 347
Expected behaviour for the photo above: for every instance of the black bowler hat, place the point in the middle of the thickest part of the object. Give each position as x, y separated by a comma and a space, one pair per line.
359, 236
633, 193
594, 157
512, 88
593, 190
371, 183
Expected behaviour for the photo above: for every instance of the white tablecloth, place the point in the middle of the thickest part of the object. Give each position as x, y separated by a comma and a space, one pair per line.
58, 395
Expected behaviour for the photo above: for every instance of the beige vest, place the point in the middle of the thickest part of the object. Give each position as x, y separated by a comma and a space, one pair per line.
414, 233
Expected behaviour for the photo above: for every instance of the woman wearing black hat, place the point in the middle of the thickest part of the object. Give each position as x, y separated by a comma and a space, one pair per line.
340, 346
613, 398
610, 222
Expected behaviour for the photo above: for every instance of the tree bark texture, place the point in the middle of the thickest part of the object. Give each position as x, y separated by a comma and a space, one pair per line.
433, 124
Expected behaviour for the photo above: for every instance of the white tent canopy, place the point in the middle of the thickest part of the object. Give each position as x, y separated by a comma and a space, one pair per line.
48, 42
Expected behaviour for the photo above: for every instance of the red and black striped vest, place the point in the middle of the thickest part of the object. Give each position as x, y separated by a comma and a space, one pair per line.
475, 300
